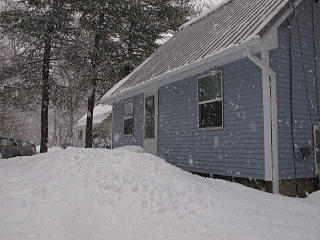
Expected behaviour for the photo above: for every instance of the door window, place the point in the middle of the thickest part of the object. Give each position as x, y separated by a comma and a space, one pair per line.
149, 125
128, 119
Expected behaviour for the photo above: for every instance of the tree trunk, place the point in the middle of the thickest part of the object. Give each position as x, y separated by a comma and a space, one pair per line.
71, 122
92, 93
45, 92
91, 98
55, 138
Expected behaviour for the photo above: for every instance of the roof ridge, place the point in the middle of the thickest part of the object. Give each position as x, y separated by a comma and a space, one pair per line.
205, 14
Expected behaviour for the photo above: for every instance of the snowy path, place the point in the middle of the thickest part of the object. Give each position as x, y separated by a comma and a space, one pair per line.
120, 194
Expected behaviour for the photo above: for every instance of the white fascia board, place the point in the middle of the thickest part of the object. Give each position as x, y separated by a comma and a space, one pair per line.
224, 57
274, 131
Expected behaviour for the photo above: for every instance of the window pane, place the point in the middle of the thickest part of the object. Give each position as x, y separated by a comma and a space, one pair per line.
209, 87
8, 142
210, 115
149, 107
80, 134
128, 126
128, 109
149, 125
3, 142
149, 128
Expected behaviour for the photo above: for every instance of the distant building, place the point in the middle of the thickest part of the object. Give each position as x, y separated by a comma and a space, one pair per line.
102, 121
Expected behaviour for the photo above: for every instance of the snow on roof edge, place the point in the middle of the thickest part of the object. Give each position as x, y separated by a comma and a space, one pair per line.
204, 15
100, 113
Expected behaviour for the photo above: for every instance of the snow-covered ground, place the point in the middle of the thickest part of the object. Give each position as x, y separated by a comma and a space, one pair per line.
81, 194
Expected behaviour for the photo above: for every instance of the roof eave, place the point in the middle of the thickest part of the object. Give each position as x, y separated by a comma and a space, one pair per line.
284, 12
167, 78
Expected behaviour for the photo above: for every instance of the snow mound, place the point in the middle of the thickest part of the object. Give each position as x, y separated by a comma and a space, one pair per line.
315, 197
125, 194
132, 148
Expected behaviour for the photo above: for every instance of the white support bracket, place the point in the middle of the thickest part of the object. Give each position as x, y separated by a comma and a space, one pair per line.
272, 125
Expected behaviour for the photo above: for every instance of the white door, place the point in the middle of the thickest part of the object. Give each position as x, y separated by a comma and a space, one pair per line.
150, 138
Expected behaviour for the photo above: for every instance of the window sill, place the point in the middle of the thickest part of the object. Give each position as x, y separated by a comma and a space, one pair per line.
210, 129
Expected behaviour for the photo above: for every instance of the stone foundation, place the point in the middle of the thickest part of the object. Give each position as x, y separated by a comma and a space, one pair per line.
301, 187
287, 187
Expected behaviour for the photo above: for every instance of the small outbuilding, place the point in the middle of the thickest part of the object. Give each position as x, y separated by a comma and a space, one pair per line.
233, 94
102, 128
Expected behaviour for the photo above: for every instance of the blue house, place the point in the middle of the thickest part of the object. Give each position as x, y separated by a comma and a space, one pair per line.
233, 94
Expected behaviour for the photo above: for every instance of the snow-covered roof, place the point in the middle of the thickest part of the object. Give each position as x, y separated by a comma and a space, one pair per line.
230, 24
100, 113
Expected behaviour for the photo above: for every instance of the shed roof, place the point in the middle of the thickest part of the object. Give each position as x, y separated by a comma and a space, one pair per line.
100, 113
232, 24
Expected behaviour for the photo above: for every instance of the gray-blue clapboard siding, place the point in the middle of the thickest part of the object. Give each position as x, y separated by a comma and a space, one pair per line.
235, 150
305, 106
118, 138
238, 148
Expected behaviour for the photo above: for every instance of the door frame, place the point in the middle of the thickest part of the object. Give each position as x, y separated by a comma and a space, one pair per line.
156, 118
316, 151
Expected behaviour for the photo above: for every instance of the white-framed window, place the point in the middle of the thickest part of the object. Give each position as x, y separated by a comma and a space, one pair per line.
128, 120
210, 101
80, 134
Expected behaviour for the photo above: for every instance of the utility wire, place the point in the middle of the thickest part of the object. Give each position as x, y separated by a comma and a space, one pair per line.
297, 159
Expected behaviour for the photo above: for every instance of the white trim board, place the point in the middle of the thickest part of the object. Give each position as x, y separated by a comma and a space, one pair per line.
151, 144
274, 117
266, 86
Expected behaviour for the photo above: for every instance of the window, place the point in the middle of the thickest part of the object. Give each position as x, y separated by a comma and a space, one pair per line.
3, 142
149, 125
210, 101
80, 134
128, 118
6, 142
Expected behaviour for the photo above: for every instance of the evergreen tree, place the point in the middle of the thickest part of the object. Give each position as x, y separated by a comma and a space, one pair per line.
42, 27
118, 36
93, 43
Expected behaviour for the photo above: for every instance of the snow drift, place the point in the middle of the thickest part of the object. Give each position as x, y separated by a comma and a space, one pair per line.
129, 194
